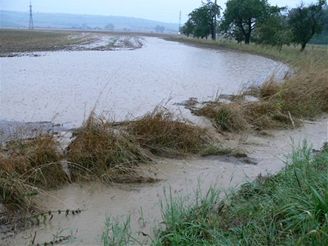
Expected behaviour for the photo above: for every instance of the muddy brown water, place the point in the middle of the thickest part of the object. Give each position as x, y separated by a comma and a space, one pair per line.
183, 177
63, 86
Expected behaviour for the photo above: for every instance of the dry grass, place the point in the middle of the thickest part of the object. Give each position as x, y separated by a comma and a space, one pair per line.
305, 94
25, 166
15, 193
110, 152
226, 117
101, 150
267, 113
268, 89
37, 161
163, 135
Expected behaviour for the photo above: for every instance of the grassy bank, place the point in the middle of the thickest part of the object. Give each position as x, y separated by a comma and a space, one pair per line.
302, 95
289, 208
288, 54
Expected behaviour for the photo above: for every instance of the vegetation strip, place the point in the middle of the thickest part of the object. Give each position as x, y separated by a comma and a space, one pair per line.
286, 209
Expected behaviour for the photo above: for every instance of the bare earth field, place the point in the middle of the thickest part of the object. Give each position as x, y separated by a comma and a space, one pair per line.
13, 42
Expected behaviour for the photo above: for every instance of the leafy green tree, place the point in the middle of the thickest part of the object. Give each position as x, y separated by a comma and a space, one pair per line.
214, 12
159, 29
200, 18
241, 17
202, 21
110, 27
274, 29
305, 22
322, 38
188, 28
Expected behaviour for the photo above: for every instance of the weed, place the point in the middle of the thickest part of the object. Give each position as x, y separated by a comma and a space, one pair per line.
116, 233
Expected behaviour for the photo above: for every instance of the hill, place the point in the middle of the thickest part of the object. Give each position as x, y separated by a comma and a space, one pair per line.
12, 19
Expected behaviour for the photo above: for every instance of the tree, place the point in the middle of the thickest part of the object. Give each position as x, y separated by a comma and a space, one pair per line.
322, 38
200, 18
110, 27
159, 29
214, 12
273, 29
202, 21
188, 28
305, 22
242, 16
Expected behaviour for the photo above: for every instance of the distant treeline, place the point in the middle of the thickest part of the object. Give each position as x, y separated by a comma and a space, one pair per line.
259, 22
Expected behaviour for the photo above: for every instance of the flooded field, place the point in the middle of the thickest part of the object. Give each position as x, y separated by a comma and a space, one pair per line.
65, 86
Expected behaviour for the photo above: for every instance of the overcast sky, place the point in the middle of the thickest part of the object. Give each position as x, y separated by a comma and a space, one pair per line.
161, 10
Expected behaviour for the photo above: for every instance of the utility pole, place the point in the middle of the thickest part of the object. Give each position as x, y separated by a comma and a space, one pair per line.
179, 22
31, 25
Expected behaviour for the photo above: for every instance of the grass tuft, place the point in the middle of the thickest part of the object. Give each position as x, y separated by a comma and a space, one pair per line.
163, 135
26, 165
101, 150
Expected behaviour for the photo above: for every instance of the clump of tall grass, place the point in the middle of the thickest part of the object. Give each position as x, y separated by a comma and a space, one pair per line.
25, 166
290, 208
241, 116
161, 134
103, 151
116, 233
306, 93
109, 152
36, 160
226, 117
188, 223
15, 193
265, 91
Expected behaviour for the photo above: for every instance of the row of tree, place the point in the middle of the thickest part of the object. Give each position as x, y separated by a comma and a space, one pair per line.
258, 21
